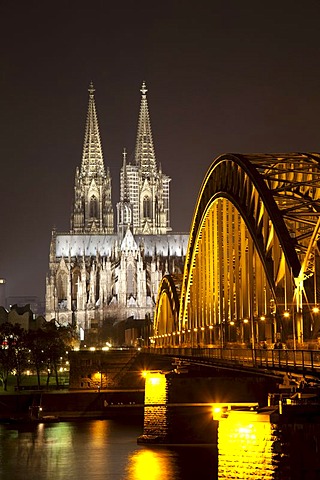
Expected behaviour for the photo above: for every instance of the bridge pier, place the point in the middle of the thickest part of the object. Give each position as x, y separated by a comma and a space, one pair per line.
179, 407
174, 423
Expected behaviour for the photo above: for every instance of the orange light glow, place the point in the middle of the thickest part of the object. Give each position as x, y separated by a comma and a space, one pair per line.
150, 465
155, 381
155, 388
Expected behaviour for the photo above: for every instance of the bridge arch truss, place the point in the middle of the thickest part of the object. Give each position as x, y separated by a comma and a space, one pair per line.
251, 270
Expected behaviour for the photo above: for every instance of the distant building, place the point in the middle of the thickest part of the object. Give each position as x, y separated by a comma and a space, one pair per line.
23, 315
3, 315
36, 306
101, 369
99, 272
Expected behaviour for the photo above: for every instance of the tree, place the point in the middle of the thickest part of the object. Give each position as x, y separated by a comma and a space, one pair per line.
13, 352
36, 344
47, 346
60, 339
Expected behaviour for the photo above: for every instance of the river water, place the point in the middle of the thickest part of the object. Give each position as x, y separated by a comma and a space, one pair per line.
107, 449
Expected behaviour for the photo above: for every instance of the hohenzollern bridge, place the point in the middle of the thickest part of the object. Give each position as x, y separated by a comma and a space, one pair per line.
251, 274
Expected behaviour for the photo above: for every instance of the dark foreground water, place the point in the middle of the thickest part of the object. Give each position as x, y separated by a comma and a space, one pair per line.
105, 449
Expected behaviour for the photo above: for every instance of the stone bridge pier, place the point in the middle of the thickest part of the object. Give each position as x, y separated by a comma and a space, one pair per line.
179, 405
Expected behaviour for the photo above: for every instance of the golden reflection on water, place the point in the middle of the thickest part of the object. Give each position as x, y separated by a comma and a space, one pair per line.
147, 464
245, 448
99, 432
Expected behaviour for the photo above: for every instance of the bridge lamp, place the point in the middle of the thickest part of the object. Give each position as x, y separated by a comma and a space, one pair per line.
232, 322
316, 309
202, 328
211, 327
286, 314
245, 320
195, 329
262, 318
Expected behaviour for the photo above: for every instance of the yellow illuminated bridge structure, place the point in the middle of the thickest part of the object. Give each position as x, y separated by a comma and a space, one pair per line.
251, 274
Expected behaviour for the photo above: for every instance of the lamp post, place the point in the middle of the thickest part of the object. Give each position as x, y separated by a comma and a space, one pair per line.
287, 315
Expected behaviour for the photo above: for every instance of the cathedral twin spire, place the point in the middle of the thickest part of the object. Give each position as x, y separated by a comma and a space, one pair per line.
144, 190
92, 210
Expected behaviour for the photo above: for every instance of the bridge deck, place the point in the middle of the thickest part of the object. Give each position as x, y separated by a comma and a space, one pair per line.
299, 361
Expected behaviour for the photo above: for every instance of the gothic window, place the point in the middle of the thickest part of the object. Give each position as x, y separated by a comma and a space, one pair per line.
146, 207
157, 210
75, 283
130, 280
93, 207
127, 215
62, 283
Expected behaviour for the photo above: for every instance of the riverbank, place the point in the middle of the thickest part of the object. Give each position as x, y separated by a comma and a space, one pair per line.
71, 405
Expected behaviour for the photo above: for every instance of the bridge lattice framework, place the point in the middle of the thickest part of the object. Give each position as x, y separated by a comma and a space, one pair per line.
252, 267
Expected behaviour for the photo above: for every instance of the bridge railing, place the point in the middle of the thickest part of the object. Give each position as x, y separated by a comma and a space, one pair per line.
302, 360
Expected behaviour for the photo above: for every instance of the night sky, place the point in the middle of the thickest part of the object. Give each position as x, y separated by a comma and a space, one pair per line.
222, 76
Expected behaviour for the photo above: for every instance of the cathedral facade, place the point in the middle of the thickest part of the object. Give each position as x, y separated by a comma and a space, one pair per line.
107, 270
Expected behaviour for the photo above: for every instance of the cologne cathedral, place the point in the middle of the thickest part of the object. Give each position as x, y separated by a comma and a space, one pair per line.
105, 270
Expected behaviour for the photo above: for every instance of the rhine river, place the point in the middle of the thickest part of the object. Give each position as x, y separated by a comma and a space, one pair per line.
107, 449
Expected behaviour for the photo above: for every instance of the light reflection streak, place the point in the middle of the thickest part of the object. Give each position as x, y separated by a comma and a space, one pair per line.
245, 447
99, 431
147, 464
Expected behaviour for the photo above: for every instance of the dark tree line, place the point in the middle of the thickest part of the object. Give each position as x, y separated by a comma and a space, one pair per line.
41, 350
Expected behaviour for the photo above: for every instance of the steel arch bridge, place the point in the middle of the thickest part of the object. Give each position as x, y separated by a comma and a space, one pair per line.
252, 265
